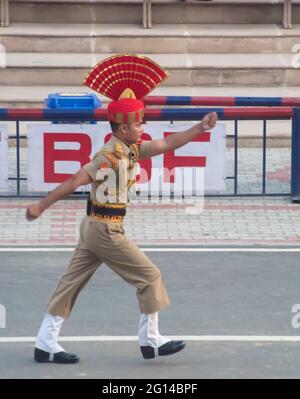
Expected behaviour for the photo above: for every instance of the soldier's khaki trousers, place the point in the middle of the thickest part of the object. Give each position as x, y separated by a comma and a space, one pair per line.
105, 242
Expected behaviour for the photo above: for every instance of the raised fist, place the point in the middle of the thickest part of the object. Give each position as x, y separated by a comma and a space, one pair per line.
209, 121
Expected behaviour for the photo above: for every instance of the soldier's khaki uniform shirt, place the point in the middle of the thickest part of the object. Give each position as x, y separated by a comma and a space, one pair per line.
121, 160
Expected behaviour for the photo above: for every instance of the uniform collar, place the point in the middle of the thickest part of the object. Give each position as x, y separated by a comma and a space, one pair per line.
126, 148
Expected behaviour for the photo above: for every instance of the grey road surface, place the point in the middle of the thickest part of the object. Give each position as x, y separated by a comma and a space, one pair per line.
212, 294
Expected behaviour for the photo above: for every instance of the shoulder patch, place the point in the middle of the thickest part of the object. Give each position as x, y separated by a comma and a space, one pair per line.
113, 160
119, 153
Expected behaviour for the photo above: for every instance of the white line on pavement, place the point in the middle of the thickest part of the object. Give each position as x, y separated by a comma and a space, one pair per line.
158, 249
129, 338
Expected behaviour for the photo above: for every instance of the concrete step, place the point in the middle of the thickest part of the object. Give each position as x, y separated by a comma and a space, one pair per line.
186, 69
113, 38
163, 11
250, 132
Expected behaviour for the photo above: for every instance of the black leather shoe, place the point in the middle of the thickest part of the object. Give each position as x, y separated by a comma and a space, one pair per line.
60, 357
167, 349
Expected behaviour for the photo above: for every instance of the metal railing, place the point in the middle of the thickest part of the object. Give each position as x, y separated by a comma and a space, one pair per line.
4, 13
235, 114
147, 13
295, 157
286, 17
287, 14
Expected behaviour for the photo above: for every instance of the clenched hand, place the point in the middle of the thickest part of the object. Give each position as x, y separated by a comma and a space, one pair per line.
33, 211
209, 121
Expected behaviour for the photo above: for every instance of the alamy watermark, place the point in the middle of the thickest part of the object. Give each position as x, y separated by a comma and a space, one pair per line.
2, 316
296, 58
2, 56
185, 189
296, 318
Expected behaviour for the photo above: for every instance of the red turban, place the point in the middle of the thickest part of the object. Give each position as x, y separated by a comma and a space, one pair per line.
126, 79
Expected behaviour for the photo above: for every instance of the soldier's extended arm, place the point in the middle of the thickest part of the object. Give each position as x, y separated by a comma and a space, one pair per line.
66, 188
178, 140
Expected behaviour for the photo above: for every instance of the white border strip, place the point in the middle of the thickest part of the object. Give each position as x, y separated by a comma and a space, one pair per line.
158, 249
197, 338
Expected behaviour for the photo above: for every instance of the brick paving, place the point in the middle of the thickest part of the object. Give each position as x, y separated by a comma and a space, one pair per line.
224, 221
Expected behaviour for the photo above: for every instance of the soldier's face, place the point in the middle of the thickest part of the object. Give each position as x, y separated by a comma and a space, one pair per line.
133, 132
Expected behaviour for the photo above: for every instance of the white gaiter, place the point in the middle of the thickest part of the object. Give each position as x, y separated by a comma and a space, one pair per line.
148, 331
48, 334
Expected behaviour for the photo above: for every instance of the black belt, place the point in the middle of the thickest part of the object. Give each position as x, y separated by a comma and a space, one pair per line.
105, 209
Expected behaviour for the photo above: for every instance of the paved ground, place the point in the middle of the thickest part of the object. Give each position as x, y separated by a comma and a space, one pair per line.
213, 294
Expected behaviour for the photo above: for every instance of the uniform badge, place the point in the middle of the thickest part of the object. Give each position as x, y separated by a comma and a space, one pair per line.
132, 157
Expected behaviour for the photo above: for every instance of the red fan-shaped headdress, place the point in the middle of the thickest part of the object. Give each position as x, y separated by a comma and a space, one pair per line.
126, 79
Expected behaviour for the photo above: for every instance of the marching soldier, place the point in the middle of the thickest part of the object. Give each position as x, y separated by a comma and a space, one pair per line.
126, 80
